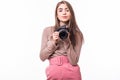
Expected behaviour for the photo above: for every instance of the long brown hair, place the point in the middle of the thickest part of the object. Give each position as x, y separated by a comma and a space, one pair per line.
73, 27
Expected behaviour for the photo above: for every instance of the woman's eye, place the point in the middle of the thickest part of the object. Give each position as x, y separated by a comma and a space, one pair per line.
60, 10
67, 10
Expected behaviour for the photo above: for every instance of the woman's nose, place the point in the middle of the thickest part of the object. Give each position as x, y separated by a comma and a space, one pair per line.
64, 12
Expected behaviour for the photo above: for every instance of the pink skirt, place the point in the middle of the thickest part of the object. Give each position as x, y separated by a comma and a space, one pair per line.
61, 69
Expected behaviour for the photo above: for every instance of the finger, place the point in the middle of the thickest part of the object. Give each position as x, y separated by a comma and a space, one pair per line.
57, 33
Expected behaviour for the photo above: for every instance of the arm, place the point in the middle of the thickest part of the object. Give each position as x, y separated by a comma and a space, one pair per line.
74, 53
47, 46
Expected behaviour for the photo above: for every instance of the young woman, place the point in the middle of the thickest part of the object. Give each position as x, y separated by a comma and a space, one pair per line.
62, 51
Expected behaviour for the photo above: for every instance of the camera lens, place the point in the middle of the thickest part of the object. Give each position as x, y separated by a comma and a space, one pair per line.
63, 32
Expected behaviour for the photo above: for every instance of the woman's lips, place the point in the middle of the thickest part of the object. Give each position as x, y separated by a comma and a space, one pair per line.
64, 17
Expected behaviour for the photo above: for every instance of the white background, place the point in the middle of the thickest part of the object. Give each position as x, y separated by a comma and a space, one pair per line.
21, 26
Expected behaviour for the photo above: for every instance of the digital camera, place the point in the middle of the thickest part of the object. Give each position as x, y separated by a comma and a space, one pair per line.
63, 32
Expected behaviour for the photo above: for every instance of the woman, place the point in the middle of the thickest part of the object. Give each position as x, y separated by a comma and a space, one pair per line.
63, 53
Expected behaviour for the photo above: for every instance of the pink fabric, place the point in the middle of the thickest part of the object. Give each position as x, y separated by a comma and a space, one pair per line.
61, 69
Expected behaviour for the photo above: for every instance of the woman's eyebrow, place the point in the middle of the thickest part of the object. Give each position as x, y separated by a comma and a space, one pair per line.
62, 8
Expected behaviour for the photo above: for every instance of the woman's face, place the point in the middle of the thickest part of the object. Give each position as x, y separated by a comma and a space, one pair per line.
63, 13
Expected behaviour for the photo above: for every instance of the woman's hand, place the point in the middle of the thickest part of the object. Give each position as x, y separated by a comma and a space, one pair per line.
55, 36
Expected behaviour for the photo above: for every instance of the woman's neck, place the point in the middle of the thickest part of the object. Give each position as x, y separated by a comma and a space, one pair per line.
62, 23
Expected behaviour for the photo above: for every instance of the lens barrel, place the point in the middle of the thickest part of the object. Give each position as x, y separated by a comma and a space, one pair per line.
63, 32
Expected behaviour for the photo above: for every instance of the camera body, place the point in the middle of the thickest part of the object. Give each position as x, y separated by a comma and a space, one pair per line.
63, 32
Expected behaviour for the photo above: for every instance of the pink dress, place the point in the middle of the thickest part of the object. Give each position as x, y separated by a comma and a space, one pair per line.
61, 69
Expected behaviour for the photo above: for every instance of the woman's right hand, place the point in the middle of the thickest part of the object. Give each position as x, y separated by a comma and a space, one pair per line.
55, 36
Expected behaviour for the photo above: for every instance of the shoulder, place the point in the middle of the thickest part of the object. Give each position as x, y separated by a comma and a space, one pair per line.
77, 31
47, 28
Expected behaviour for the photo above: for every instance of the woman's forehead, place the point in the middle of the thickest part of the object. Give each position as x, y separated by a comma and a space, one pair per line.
62, 6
